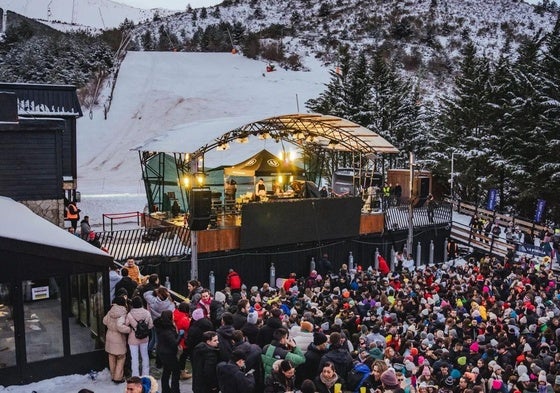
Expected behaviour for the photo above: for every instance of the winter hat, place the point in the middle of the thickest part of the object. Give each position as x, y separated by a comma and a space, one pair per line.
527, 348
497, 384
461, 361
557, 380
449, 381
219, 297
522, 369
149, 384
455, 374
426, 371
252, 318
474, 347
475, 370
524, 378
319, 338
542, 376
198, 314
389, 378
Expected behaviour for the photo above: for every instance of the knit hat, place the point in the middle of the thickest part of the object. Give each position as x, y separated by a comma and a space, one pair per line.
497, 384
149, 384
474, 347
524, 378
449, 381
426, 371
475, 370
319, 338
219, 297
389, 378
252, 318
198, 314
542, 376
522, 369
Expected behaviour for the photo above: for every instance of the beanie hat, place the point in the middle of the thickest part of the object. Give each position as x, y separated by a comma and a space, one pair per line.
522, 369
198, 314
497, 384
252, 318
474, 347
542, 376
461, 361
449, 381
389, 378
456, 374
220, 297
319, 338
426, 371
524, 378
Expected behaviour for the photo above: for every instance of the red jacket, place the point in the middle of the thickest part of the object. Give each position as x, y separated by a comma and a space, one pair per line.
233, 281
182, 322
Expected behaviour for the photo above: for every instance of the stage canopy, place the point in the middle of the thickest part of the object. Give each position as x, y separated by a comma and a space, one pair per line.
264, 163
304, 130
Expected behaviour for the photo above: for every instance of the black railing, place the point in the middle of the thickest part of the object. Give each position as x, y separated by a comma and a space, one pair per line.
397, 218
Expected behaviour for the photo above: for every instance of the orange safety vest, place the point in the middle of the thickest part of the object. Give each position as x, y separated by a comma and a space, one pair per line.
72, 212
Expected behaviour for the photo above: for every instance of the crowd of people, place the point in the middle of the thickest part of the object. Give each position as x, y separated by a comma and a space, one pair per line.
480, 325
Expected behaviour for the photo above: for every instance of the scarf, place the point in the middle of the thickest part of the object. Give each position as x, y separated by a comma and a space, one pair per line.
329, 383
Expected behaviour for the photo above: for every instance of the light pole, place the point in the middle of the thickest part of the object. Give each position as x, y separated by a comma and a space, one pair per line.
451, 182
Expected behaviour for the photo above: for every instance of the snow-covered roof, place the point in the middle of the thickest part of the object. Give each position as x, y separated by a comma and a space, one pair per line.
21, 224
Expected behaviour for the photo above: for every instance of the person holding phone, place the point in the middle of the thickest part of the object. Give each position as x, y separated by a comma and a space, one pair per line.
281, 347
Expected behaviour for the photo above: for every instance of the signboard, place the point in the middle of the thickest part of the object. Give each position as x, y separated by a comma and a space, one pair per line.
541, 203
492, 198
40, 293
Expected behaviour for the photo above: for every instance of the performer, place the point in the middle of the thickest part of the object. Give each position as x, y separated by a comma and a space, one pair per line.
260, 189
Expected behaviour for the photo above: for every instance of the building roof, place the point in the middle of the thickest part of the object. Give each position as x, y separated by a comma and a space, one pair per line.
24, 232
45, 100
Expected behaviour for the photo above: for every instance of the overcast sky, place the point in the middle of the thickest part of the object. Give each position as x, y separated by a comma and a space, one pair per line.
170, 4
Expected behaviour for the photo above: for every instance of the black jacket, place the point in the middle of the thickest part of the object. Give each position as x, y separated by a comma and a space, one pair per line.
265, 333
127, 283
341, 359
225, 335
168, 339
204, 361
239, 319
251, 331
196, 330
233, 380
310, 369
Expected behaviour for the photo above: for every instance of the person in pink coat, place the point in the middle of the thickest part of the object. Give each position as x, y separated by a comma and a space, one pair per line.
115, 338
139, 346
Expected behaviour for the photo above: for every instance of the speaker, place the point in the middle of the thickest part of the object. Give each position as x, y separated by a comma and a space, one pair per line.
200, 209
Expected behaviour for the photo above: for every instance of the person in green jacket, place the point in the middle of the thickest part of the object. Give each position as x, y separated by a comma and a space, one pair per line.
281, 347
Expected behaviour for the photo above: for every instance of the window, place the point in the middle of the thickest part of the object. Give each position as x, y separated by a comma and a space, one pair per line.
42, 313
7, 341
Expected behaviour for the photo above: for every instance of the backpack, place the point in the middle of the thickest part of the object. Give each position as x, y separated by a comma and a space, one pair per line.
142, 330
357, 376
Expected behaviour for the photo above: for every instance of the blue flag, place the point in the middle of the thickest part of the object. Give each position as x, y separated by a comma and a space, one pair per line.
492, 198
539, 210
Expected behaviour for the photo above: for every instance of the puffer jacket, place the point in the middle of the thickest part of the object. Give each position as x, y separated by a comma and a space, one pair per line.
156, 305
134, 316
117, 330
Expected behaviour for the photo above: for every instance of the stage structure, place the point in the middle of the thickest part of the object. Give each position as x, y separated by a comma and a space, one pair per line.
181, 157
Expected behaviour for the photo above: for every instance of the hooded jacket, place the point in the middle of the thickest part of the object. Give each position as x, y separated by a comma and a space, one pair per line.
117, 330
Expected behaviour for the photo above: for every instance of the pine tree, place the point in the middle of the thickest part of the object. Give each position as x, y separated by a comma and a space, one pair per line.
464, 126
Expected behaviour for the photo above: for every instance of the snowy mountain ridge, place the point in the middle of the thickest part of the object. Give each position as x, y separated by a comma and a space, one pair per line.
89, 15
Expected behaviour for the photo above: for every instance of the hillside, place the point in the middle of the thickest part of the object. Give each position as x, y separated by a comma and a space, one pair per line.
425, 37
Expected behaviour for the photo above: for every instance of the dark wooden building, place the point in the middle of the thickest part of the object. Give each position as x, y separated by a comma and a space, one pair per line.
38, 146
